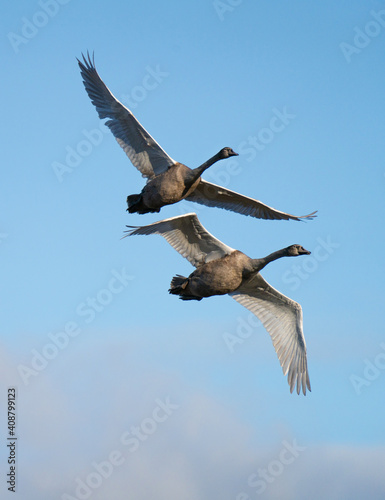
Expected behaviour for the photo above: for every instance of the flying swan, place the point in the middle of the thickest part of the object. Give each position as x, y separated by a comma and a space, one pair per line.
222, 270
168, 181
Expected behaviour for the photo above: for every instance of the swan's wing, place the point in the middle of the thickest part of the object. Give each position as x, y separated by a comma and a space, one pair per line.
217, 196
187, 235
282, 318
143, 151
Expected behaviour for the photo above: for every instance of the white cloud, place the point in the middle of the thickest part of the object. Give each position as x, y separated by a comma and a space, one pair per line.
75, 413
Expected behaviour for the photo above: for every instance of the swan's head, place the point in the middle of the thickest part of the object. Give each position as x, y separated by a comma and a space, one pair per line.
294, 250
226, 153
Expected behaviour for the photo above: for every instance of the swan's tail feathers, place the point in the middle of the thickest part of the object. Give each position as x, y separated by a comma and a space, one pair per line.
178, 287
189, 297
135, 205
133, 202
178, 284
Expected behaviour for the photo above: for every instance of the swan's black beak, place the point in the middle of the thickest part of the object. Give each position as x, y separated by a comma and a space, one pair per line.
305, 252
233, 153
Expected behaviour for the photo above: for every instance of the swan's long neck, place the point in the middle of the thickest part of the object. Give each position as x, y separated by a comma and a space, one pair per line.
199, 170
259, 264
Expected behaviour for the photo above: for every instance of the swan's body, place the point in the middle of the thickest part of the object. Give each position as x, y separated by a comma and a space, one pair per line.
222, 270
217, 277
171, 186
168, 181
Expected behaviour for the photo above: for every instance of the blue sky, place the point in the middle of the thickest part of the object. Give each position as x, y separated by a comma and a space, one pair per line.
142, 396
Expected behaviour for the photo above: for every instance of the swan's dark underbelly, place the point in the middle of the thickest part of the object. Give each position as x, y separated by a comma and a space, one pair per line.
169, 187
218, 277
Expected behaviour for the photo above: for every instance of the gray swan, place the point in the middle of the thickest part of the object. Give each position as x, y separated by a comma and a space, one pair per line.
222, 270
167, 181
